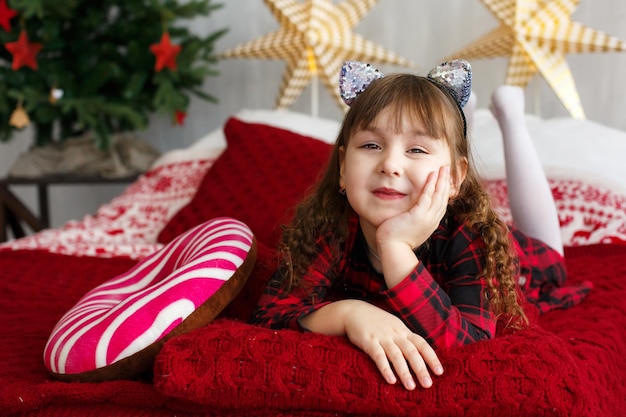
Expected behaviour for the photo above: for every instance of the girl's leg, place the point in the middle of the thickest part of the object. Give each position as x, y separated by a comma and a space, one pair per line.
532, 204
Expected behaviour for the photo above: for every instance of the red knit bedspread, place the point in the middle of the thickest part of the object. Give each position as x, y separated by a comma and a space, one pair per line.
583, 373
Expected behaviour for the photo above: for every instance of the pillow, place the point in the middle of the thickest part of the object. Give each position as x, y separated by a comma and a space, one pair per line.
588, 213
559, 142
241, 369
129, 224
244, 369
116, 329
304, 124
261, 175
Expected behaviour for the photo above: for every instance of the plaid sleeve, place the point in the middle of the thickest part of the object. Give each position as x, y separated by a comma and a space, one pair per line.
279, 308
452, 310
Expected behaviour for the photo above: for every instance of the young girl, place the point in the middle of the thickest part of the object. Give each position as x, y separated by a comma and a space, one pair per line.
398, 247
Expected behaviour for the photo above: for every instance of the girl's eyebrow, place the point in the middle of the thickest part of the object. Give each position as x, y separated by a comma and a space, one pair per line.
421, 134
379, 130
369, 128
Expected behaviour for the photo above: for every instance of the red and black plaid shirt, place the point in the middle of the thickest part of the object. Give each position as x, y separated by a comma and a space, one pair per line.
442, 299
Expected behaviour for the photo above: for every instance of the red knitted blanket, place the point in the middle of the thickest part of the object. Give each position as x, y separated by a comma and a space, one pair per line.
571, 364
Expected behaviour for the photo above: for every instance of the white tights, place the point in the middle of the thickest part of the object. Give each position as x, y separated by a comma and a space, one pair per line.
530, 198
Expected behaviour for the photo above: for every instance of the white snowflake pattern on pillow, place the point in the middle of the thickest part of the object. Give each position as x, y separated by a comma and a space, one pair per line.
130, 223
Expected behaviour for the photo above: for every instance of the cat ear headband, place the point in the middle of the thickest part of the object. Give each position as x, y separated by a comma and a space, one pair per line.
454, 76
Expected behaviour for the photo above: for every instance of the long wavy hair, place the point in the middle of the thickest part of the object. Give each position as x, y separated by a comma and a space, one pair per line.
324, 211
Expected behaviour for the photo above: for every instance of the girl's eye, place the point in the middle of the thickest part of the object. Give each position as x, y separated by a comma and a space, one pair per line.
416, 150
370, 146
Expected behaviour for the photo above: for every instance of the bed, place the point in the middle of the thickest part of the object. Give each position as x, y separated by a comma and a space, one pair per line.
567, 363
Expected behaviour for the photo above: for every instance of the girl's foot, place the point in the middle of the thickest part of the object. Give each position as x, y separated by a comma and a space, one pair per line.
508, 104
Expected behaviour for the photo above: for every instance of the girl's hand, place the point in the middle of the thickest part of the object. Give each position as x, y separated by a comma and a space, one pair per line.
391, 345
397, 236
415, 226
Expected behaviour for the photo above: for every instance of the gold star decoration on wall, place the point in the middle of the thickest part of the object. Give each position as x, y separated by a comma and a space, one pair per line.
536, 35
315, 38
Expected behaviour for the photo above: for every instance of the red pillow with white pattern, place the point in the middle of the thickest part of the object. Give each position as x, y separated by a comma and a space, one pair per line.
588, 213
128, 225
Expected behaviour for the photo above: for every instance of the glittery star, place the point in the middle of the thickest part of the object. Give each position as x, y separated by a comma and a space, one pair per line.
24, 52
322, 30
537, 34
165, 53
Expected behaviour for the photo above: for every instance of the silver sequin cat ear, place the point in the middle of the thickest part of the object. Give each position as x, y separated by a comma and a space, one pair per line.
456, 77
354, 78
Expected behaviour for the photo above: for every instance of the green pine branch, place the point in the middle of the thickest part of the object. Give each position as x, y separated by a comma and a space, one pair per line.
98, 53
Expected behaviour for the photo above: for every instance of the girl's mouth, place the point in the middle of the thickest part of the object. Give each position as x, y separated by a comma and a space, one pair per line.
388, 193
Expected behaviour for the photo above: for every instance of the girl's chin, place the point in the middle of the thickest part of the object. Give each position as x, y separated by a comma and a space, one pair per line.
376, 214
376, 221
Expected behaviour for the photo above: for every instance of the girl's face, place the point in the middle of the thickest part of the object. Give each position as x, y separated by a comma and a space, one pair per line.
384, 168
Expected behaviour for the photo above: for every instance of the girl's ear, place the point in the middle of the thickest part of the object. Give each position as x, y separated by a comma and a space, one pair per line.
459, 176
342, 159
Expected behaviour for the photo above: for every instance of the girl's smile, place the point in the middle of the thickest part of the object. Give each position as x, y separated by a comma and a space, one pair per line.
388, 193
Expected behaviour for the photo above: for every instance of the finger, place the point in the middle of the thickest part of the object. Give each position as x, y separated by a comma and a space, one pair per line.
417, 364
441, 195
400, 365
427, 355
379, 357
426, 196
442, 189
443, 177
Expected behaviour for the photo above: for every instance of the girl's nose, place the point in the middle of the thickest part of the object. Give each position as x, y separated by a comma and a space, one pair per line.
390, 163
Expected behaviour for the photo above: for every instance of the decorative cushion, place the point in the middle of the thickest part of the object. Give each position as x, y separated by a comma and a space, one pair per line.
302, 123
588, 213
261, 175
242, 368
116, 329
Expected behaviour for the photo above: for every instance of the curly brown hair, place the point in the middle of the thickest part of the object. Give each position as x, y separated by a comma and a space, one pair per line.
324, 211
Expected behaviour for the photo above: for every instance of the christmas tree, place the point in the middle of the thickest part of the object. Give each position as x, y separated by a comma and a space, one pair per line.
70, 66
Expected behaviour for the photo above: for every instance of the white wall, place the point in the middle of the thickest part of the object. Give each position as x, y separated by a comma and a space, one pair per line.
422, 31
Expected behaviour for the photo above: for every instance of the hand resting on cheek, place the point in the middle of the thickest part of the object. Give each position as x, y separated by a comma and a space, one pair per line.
398, 236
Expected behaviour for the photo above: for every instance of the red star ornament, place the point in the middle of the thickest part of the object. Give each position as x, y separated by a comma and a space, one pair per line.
165, 53
6, 15
180, 117
24, 52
